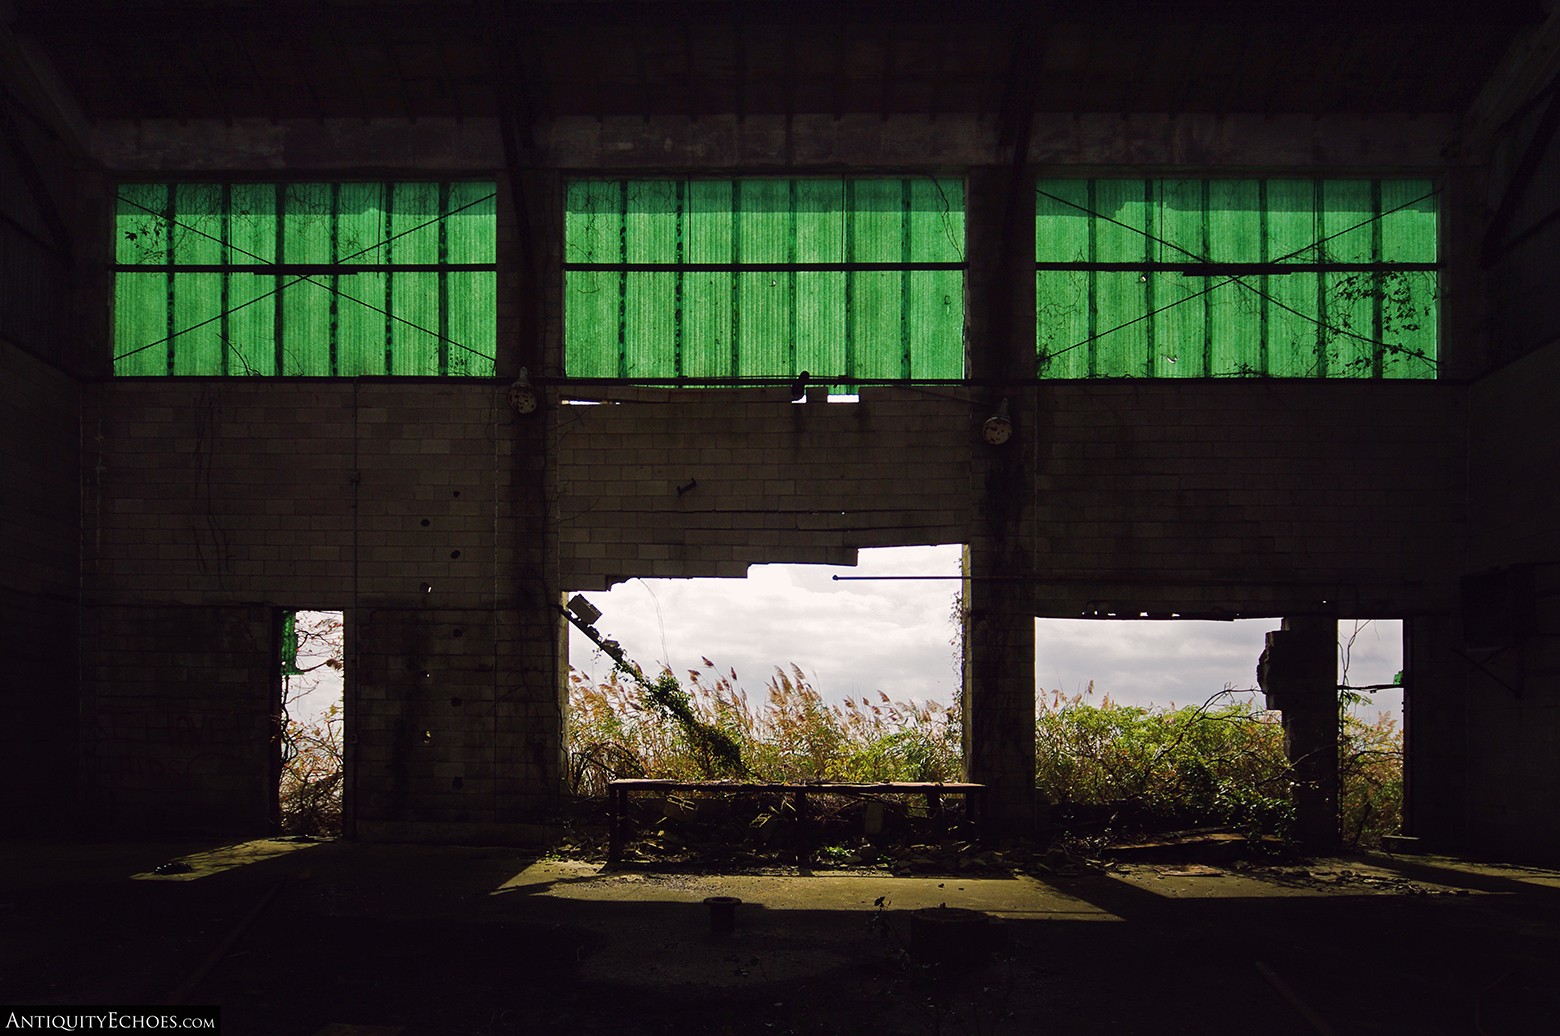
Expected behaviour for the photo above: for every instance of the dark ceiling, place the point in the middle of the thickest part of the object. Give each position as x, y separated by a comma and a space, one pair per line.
233, 59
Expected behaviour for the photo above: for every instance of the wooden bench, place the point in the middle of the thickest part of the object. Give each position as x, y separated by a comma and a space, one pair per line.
619, 791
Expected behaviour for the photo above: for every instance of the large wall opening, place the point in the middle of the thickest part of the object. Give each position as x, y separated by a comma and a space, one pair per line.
311, 724
831, 662
1162, 722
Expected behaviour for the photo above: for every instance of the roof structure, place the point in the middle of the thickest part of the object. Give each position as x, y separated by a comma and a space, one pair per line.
242, 59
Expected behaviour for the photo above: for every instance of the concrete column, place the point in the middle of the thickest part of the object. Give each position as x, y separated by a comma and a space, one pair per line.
1435, 723
1299, 673
999, 692
999, 678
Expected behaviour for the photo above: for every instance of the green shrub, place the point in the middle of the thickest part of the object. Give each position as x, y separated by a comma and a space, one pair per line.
793, 736
1222, 762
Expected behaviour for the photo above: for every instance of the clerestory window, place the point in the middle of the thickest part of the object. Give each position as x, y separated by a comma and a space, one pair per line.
722, 281
325, 279
1226, 278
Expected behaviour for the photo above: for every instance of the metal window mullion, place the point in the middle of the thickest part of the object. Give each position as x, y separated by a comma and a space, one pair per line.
680, 190
850, 278
791, 287
904, 280
1148, 279
223, 299
622, 314
1377, 284
170, 214
444, 278
1318, 206
389, 210
1094, 285
1264, 250
1207, 299
278, 360
736, 278
335, 280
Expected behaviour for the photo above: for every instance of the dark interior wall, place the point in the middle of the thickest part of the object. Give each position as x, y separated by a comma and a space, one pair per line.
1511, 712
40, 501
698, 483
1484, 722
39, 487
1521, 244
1268, 497
176, 717
1256, 496
412, 505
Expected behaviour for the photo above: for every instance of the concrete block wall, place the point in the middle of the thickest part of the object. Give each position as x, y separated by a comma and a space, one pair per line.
708, 483
1266, 497
305, 489
40, 523
457, 721
177, 718
1259, 496
415, 506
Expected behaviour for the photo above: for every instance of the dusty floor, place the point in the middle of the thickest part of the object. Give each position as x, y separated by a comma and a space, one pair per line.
488, 942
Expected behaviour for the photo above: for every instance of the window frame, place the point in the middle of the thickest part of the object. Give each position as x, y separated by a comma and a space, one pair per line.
1374, 280
673, 364
443, 358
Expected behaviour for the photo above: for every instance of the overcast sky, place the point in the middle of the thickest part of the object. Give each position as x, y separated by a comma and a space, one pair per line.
854, 638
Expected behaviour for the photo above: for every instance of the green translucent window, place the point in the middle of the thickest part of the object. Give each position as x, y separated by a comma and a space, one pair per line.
1220, 278
305, 278
850, 280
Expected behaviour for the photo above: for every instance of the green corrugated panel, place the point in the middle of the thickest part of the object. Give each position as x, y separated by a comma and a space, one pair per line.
197, 346
305, 307
1288, 330
700, 338
346, 322
1409, 233
140, 320
1231, 336
1349, 225
1105, 323
413, 303
820, 295
251, 298
1063, 309
701, 324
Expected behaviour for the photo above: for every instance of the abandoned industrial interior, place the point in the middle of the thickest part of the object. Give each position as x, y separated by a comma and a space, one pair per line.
1164, 311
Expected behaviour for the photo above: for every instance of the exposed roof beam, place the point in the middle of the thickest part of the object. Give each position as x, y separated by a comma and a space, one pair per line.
36, 84
1532, 60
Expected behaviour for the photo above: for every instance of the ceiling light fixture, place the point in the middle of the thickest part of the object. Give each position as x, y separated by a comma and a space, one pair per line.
998, 428
522, 398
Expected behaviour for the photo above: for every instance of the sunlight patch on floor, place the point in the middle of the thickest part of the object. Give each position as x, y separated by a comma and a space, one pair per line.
224, 858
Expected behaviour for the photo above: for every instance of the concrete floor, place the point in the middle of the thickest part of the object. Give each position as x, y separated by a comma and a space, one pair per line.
485, 942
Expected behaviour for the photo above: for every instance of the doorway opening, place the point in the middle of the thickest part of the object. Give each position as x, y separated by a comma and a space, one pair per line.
1166, 715
311, 724
819, 676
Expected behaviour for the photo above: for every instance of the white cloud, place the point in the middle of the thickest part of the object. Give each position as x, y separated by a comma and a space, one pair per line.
854, 637
849, 637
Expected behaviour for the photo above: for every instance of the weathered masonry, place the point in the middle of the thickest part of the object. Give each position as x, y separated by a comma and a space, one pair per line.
1163, 311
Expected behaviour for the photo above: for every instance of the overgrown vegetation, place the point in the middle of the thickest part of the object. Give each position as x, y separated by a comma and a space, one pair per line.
792, 737
1105, 767
1222, 762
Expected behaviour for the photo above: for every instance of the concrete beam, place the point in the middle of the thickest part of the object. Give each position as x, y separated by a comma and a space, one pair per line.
1531, 62
31, 75
334, 145
1096, 141
1092, 143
